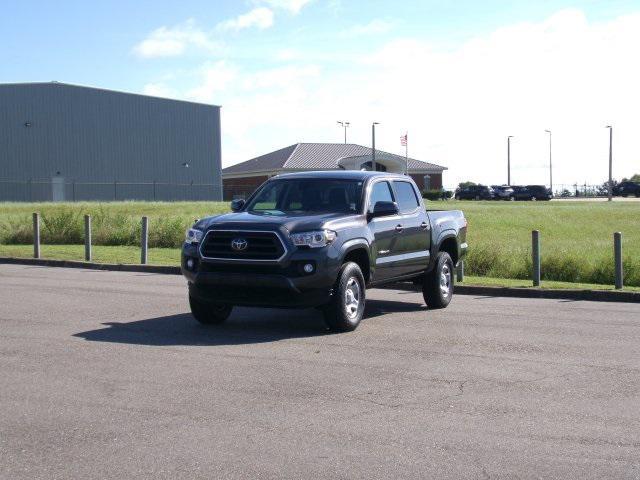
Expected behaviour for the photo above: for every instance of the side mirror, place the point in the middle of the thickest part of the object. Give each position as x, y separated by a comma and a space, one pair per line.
384, 209
236, 205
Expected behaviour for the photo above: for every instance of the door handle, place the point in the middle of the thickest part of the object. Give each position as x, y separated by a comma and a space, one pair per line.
399, 228
424, 226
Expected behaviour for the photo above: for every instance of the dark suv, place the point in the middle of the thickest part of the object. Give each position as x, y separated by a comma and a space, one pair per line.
625, 189
320, 239
531, 192
502, 192
475, 192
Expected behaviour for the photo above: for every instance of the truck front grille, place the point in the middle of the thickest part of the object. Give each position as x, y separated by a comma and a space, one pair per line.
261, 246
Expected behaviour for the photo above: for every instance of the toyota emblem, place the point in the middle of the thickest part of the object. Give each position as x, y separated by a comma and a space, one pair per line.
239, 244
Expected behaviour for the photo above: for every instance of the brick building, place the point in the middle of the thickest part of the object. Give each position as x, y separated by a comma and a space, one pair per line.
240, 180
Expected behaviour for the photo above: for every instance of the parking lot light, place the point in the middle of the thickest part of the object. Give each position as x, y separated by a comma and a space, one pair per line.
509, 159
610, 189
550, 165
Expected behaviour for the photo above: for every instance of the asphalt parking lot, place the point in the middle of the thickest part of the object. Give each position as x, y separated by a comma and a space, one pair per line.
105, 375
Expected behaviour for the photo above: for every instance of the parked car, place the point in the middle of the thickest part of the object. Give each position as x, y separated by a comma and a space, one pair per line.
475, 192
624, 189
531, 192
502, 192
320, 239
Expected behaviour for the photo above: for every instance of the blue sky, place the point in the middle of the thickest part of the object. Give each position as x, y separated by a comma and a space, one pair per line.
459, 76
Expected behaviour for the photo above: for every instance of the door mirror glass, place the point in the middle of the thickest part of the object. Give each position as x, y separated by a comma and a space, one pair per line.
384, 209
236, 205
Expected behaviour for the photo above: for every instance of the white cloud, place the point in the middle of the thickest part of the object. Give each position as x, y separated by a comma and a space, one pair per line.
260, 17
214, 78
158, 90
374, 27
283, 77
174, 41
458, 103
292, 6
287, 55
564, 73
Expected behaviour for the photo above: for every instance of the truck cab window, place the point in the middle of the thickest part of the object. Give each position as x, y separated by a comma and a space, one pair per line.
406, 195
380, 192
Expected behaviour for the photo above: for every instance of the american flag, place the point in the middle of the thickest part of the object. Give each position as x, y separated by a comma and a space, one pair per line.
403, 140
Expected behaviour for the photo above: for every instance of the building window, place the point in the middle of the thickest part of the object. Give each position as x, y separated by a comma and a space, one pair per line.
379, 166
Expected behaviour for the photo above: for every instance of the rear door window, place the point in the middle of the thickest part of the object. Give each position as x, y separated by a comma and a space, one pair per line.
406, 196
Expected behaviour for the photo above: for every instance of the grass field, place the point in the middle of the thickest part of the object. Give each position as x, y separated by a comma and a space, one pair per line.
112, 223
576, 237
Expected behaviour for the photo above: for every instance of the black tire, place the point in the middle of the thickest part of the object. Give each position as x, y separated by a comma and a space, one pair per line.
348, 296
209, 313
437, 288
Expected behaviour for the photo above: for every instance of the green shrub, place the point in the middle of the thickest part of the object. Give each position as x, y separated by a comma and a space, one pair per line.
167, 232
437, 194
16, 231
64, 226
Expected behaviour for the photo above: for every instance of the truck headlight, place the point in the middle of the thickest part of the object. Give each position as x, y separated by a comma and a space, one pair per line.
193, 235
317, 239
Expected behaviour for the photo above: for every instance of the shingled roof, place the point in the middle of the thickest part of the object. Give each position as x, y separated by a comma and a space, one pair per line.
317, 156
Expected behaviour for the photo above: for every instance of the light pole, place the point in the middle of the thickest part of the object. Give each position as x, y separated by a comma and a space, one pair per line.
509, 159
373, 145
550, 164
610, 162
344, 125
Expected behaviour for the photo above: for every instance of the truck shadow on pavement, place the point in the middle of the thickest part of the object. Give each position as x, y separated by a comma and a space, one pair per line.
245, 326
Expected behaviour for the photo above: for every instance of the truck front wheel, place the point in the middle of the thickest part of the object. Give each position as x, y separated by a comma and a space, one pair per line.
209, 313
346, 308
437, 288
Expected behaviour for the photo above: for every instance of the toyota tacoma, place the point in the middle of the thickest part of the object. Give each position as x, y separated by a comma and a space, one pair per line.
320, 239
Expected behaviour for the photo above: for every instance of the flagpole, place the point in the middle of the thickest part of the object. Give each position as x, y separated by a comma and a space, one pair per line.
406, 153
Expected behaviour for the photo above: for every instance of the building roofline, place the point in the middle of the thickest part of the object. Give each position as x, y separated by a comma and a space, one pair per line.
427, 168
110, 90
280, 171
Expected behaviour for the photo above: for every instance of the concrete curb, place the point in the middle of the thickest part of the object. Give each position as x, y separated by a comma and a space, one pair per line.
558, 294
570, 294
115, 267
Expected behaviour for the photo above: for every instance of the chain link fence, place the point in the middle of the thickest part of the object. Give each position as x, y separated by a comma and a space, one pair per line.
573, 190
579, 190
48, 190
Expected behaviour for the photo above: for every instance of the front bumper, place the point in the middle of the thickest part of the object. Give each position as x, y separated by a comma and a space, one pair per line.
282, 284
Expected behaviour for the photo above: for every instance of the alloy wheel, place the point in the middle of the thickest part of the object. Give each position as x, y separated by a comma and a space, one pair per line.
352, 298
445, 280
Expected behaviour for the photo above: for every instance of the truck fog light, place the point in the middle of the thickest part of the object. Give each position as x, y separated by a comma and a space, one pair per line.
308, 268
190, 263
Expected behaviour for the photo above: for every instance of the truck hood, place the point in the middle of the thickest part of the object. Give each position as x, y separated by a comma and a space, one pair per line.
262, 221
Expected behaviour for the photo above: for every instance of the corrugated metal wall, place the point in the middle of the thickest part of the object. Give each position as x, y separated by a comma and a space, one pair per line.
106, 145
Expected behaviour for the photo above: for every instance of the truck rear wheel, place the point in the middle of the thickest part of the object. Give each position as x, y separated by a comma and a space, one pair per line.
437, 288
346, 308
209, 313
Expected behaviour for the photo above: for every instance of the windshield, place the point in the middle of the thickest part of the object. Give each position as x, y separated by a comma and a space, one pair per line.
280, 197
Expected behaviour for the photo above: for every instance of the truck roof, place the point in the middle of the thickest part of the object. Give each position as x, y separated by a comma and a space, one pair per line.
340, 174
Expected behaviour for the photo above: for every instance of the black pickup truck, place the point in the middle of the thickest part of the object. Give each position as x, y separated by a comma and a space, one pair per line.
319, 239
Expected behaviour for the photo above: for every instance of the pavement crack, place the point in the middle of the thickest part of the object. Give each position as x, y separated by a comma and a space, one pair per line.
374, 402
461, 388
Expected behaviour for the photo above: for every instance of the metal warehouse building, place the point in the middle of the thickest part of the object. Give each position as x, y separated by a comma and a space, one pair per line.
65, 142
